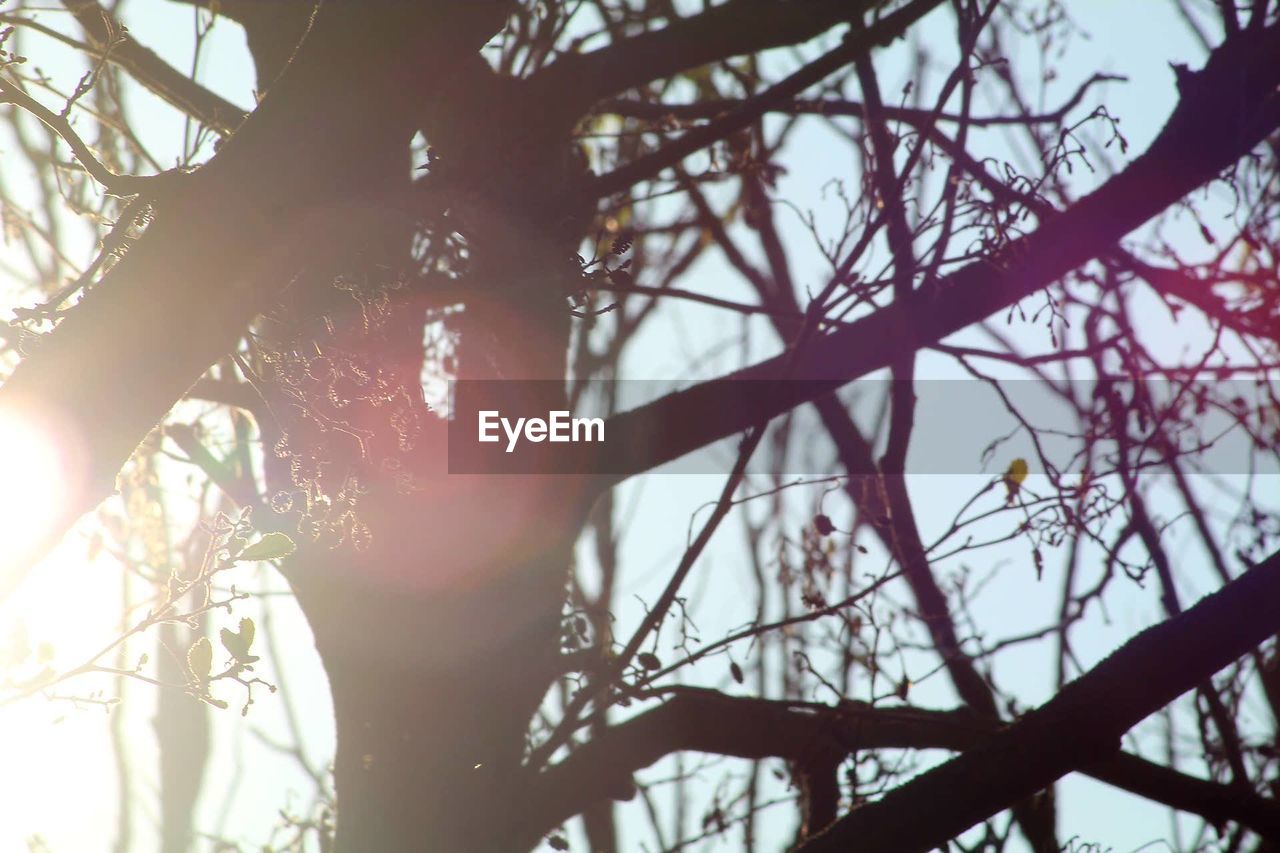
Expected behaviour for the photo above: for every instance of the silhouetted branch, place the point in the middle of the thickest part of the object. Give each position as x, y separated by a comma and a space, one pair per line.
121, 185
575, 81
1079, 727
228, 238
921, 118
1205, 135
856, 43
706, 721
146, 66
701, 720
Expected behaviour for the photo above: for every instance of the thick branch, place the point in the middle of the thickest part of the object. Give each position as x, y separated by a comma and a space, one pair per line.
230, 237
915, 116
1082, 725
854, 45
151, 71
707, 721
576, 81
699, 720
273, 30
1205, 135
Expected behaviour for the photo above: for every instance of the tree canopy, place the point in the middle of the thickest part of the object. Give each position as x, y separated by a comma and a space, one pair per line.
961, 380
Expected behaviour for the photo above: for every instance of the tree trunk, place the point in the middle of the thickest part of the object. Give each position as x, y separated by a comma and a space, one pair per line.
439, 642
440, 635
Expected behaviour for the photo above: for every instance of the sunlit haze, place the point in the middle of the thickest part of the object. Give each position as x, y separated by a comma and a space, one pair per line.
31, 488
287, 607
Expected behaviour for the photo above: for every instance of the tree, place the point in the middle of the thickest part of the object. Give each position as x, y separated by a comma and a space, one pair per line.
293, 264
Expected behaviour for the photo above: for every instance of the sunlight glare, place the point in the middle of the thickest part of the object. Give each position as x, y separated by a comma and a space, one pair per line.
31, 476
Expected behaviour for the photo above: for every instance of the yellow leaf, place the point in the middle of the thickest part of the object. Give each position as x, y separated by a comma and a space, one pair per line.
1013, 477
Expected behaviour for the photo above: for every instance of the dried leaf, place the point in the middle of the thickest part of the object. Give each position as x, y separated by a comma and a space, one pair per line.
736, 672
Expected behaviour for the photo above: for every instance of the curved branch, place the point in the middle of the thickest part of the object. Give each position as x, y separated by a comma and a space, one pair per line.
1077, 729
146, 66
119, 185
228, 238
576, 81
702, 720
1205, 135
855, 44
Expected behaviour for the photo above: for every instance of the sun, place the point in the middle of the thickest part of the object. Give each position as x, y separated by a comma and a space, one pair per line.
32, 477
64, 611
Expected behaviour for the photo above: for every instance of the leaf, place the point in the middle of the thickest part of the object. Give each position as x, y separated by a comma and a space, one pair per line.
271, 546
736, 672
621, 244
200, 659
648, 661
238, 643
1017, 471
1014, 476
558, 842
823, 525
247, 630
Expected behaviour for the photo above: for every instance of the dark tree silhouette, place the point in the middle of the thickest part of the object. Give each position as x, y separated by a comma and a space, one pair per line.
312, 266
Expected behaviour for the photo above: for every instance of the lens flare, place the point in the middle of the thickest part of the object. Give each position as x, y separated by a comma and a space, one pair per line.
32, 474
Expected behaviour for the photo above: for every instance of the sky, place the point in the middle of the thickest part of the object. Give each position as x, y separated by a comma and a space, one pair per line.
57, 772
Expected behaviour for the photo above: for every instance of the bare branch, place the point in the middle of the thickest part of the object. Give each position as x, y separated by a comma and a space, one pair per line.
855, 44
149, 69
1080, 726
1205, 135
576, 81
708, 109
229, 237
120, 185
701, 720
